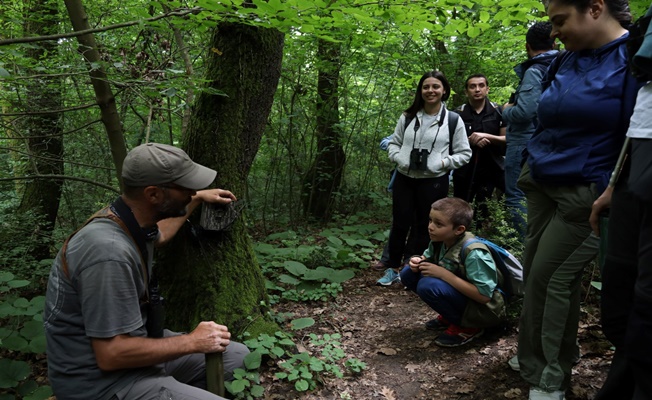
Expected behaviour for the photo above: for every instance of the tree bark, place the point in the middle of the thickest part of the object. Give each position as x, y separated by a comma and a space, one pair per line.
323, 179
44, 140
224, 281
103, 92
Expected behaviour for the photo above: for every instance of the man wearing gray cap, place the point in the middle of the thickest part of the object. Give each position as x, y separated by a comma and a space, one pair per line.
100, 342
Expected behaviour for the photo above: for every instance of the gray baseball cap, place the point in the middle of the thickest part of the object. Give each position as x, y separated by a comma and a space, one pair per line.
155, 164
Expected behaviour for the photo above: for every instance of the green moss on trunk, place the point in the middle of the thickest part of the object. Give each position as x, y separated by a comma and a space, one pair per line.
217, 277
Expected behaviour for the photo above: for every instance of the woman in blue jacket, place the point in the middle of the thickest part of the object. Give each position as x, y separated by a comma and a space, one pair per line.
583, 115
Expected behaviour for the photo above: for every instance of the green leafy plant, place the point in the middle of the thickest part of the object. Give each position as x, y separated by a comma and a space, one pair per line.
314, 268
303, 369
22, 333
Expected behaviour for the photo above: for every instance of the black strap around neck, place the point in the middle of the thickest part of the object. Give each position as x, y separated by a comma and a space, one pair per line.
122, 211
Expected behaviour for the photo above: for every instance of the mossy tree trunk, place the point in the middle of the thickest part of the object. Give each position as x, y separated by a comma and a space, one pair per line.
222, 280
322, 181
41, 128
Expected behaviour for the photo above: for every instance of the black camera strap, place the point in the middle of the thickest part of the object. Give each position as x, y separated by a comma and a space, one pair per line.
122, 211
417, 125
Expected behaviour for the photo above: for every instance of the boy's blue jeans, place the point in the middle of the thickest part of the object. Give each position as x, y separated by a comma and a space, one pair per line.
439, 295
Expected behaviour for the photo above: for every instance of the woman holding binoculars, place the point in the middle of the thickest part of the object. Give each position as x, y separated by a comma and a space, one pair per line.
425, 150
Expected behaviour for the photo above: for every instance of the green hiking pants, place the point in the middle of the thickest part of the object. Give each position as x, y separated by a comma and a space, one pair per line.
558, 245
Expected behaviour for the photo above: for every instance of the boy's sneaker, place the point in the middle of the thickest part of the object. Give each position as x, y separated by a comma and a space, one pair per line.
540, 394
389, 278
457, 336
437, 324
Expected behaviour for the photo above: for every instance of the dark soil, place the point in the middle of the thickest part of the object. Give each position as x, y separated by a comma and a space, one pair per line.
384, 327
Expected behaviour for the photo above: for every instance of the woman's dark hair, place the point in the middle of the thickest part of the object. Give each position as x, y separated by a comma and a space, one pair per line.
538, 36
619, 9
418, 102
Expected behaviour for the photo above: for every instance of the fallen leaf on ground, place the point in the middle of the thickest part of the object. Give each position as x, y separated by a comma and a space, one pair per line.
388, 393
513, 393
388, 351
412, 367
465, 389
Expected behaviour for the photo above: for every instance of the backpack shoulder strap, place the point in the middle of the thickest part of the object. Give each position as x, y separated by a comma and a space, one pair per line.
471, 244
408, 119
104, 213
453, 119
476, 243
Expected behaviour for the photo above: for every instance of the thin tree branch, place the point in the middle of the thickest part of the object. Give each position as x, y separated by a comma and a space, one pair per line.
53, 135
20, 114
70, 178
33, 156
178, 13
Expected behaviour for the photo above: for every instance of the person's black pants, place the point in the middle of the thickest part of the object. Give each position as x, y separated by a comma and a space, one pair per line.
627, 283
412, 200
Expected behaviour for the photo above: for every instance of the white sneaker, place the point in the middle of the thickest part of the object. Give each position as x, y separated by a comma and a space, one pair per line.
540, 394
513, 364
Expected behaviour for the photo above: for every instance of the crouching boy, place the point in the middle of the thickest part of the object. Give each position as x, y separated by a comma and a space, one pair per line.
464, 293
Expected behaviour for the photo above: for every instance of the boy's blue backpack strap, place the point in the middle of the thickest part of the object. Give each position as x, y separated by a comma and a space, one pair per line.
510, 270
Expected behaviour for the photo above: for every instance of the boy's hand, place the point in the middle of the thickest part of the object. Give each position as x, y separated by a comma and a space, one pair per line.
432, 270
414, 263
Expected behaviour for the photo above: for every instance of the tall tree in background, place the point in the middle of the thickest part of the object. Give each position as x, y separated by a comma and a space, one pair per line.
323, 179
41, 129
224, 281
103, 93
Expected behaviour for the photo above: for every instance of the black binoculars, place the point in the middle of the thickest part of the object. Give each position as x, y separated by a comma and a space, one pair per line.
419, 159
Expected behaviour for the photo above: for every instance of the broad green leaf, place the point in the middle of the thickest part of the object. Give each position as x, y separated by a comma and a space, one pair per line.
12, 372
295, 268
277, 351
18, 283
301, 385
335, 240
6, 276
253, 360
473, 31
284, 278
41, 393
257, 391
169, 92
21, 302
238, 385
32, 329
302, 323
4, 73
337, 276
37, 345
15, 342
27, 387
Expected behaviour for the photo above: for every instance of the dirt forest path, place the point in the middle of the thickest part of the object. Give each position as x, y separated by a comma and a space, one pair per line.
384, 327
